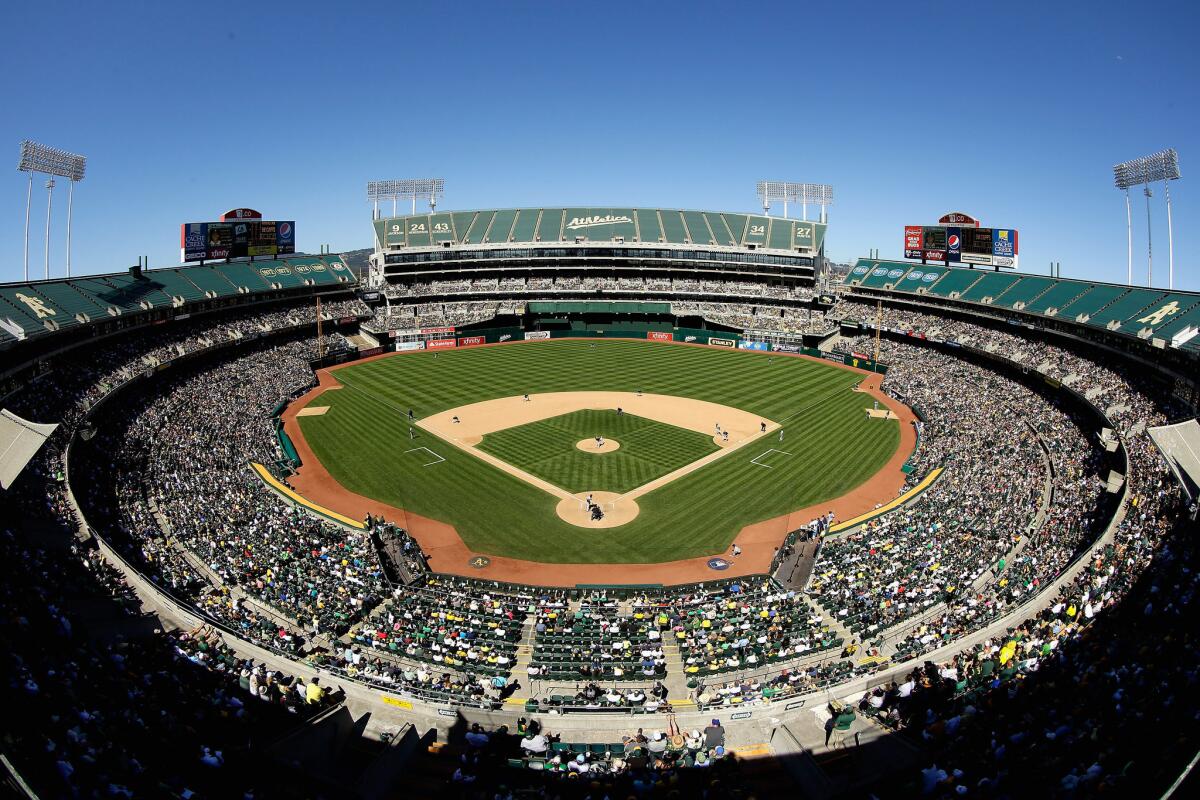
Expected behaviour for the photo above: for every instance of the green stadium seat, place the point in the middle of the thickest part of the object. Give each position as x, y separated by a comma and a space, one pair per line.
672, 226
502, 224
1124, 307
479, 227
649, 226
721, 230
698, 230
1158, 313
526, 225
1091, 301
780, 234
461, 221
990, 285
1023, 291
550, 225
955, 281
130, 292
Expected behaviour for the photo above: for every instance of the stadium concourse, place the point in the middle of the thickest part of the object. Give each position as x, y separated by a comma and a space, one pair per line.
173, 627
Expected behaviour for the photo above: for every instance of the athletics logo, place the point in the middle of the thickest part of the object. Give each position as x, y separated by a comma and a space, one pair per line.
718, 564
1154, 317
588, 222
37, 306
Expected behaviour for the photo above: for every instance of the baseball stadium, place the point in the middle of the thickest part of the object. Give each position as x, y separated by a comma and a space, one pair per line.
539, 477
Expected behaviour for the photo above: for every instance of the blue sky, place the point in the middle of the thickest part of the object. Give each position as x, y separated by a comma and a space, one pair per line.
1013, 112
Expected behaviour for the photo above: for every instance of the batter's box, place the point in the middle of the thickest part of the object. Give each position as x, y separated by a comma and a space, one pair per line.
758, 459
438, 459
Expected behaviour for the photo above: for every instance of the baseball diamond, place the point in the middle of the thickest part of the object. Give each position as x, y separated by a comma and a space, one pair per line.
495, 513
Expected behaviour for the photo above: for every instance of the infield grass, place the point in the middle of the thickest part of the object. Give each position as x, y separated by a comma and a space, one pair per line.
547, 449
363, 442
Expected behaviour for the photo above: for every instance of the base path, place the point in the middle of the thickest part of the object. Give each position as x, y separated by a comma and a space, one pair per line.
448, 553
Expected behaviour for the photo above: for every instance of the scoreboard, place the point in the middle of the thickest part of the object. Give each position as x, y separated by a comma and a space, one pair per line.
237, 238
951, 244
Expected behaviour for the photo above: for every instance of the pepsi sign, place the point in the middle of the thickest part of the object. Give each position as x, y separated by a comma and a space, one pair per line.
953, 244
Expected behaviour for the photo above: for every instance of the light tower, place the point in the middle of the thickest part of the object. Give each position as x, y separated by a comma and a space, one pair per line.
1161, 166
431, 189
804, 193
50, 161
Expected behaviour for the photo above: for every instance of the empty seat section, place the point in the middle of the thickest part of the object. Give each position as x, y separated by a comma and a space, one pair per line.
526, 225
649, 229
606, 224
146, 287
27, 308
780, 234
67, 299
246, 276
721, 232
1125, 307
1179, 323
339, 270
501, 225
756, 231
698, 228
574, 223
885, 273
441, 228
173, 283
122, 292
1057, 296
1024, 289
1158, 313
210, 281
416, 231
992, 285
282, 273
921, 276
672, 225
550, 225
311, 269
393, 232
955, 280
859, 271
461, 221
737, 226
1091, 301
479, 227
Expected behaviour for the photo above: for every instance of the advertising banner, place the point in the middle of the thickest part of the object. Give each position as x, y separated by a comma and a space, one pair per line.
437, 330
745, 345
660, 336
780, 347
440, 344
529, 335
715, 342
912, 238
402, 346
953, 245
200, 241
1004, 242
471, 341
977, 258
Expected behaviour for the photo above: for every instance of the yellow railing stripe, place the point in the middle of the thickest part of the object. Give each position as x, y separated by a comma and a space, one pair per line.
265, 475
899, 501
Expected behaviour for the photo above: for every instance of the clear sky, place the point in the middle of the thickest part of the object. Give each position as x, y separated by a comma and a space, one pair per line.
1014, 112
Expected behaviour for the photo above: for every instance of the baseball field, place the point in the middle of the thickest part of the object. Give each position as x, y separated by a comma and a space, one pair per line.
511, 474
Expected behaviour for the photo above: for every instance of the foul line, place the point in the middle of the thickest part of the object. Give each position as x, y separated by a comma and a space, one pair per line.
427, 450
754, 460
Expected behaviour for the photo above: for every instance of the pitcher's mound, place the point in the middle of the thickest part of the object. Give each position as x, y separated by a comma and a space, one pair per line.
589, 446
574, 511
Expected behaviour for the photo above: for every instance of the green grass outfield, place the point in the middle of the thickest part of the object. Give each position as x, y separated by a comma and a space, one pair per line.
546, 448
363, 440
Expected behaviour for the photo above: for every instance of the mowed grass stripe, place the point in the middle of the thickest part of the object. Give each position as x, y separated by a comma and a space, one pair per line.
548, 449
363, 438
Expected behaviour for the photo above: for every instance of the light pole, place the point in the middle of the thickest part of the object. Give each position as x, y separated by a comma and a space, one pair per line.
50, 161
1161, 166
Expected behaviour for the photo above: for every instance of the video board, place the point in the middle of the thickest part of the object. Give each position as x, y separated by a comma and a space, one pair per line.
995, 247
202, 241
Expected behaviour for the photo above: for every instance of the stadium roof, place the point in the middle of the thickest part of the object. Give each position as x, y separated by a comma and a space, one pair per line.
39, 308
607, 224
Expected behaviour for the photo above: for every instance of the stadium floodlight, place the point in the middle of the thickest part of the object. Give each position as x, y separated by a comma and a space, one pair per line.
1161, 166
40, 158
431, 189
804, 193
